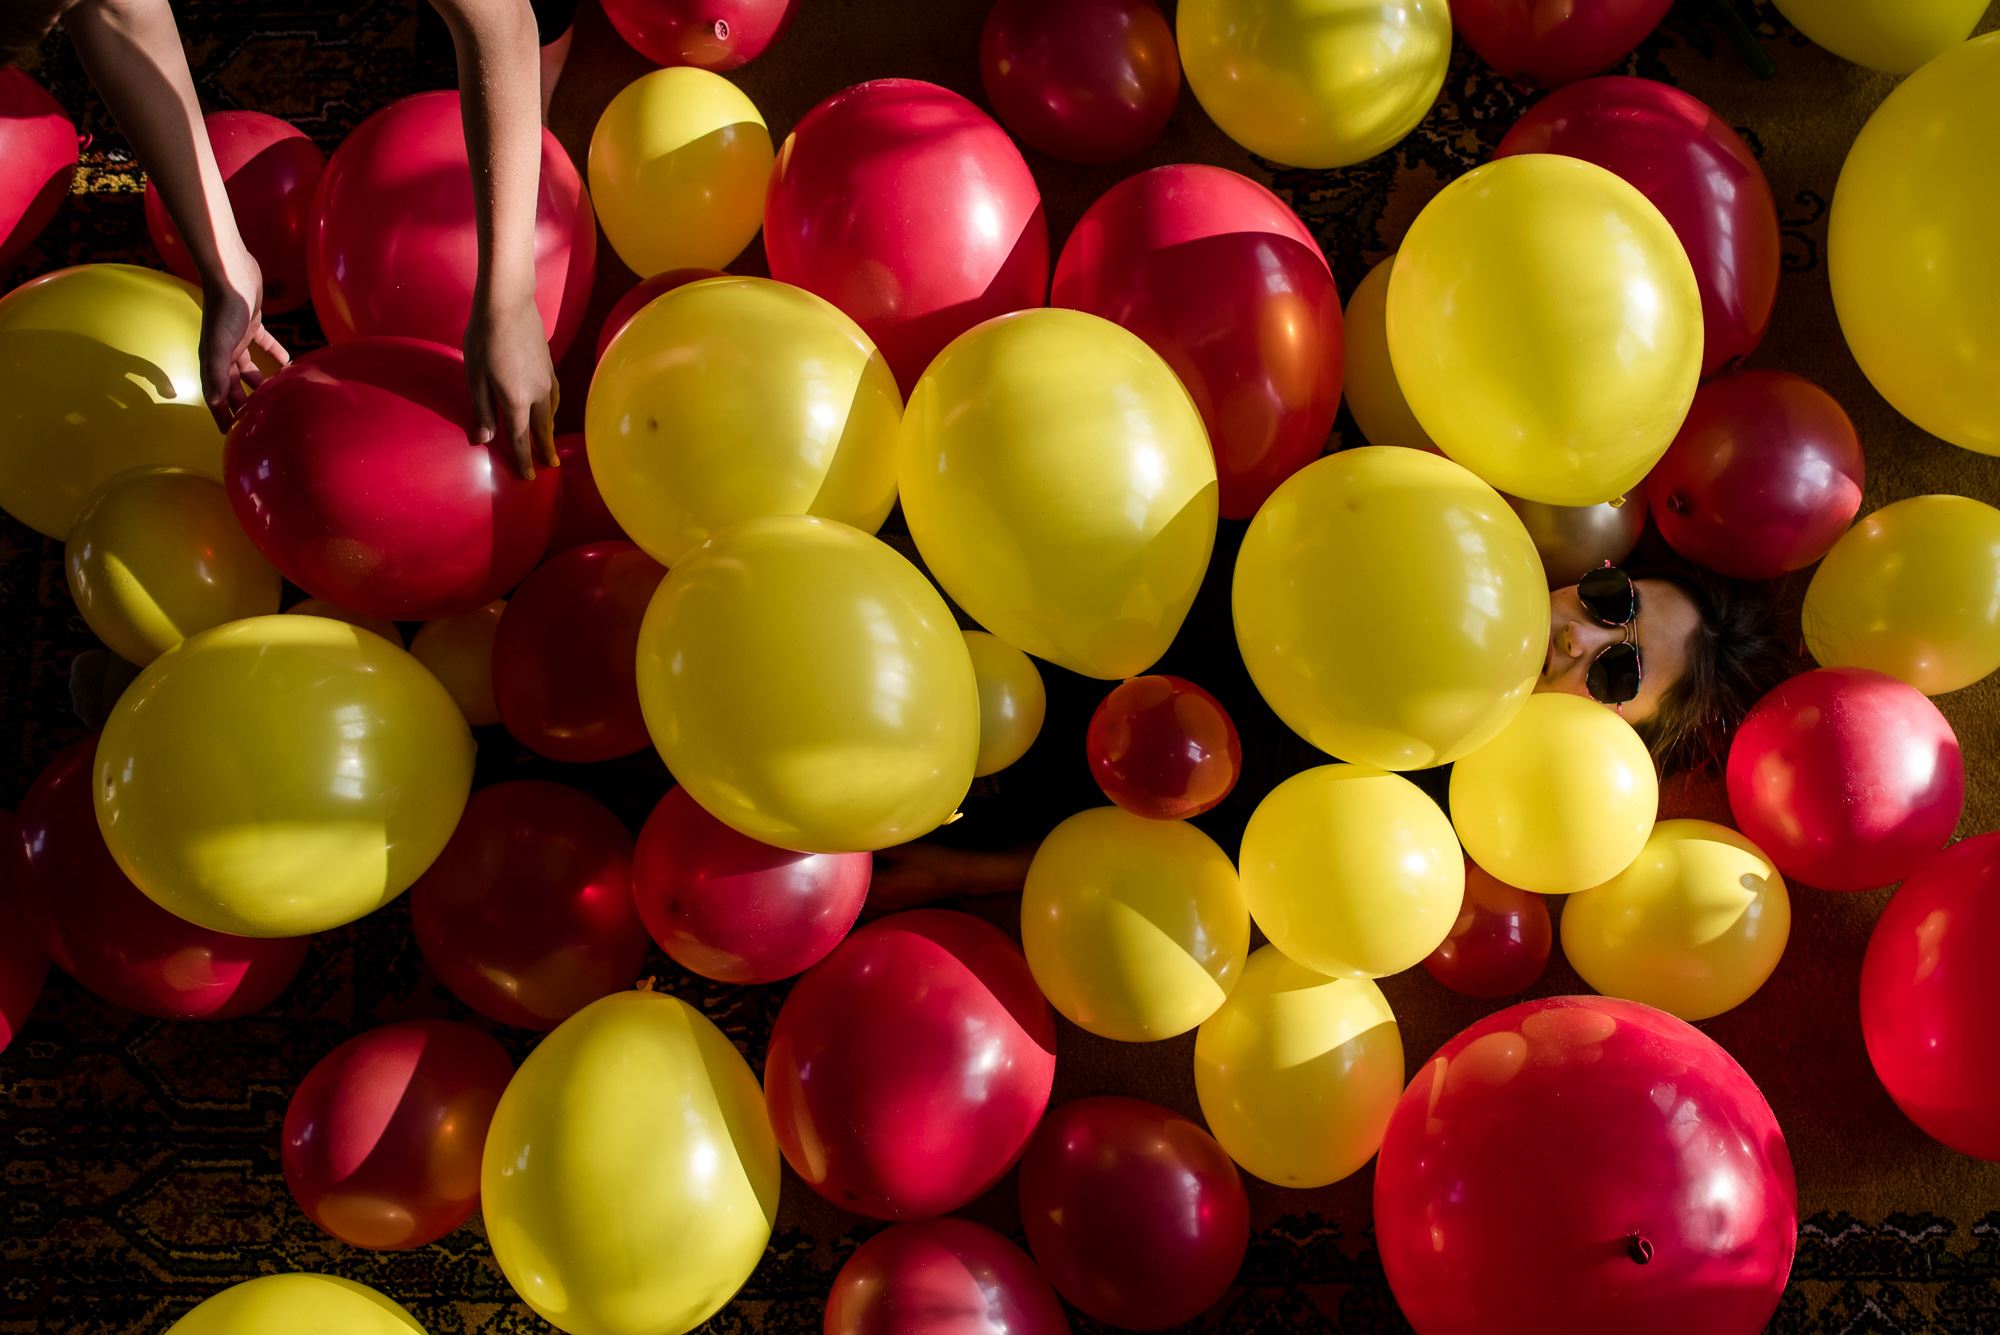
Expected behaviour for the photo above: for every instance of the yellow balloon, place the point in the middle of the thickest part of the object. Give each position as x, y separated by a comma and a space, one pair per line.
630, 1178
459, 652
1058, 481
1012, 701
738, 397
281, 775
1894, 36
1390, 607
319, 607
158, 555
1913, 590
99, 374
1692, 927
1297, 1073
1135, 929
1546, 328
1315, 83
1562, 800
678, 165
1910, 253
297, 1304
1369, 380
809, 687
1352, 872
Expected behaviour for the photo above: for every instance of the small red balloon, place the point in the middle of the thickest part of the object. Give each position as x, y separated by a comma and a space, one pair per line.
584, 517
1554, 42
908, 208
1763, 478
1847, 779
732, 909
908, 1068
24, 967
565, 657
942, 1277
1500, 943
1133, 1212
38, 152
382, 1141
642, 292
394, 247
270, 171
1082, 80
527, 915
708, 34
108, 936
1220, 278
1163, 748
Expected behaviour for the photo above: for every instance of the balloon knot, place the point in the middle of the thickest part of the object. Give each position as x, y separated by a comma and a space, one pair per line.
722, 30
1677, 502
646, 984
1639, 1248
954, 818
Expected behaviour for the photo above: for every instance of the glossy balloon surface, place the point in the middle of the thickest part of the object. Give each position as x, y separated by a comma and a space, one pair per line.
271, 172
38, 154
299, 1303
1499, 944
708, 34
584, 517
459, 653
24, 966
942, 1277
1081, 80
1368, 377
640, 295
320, 607
1894, 36
1574, 540
1163, 748
1012, 701
1552, 42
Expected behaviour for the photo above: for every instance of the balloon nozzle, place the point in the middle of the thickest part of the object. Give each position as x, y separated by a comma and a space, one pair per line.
1639, 1248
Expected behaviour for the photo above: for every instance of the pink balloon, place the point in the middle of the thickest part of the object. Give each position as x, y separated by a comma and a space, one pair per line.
270, 171
23, 965
1554, 42
38, 152
1082, 80
942, 1277
709, 34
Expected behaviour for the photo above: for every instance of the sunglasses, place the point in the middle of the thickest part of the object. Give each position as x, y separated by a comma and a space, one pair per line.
1611, 598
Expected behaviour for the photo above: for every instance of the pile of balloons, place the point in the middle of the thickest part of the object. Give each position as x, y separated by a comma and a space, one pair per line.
1550, 357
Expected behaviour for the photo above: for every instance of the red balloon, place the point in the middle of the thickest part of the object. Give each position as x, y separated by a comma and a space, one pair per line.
354, 473
1081, 80
527, 915
908, 1068
38, 151
732, 909
642, 292
1695, 170
1500, 943
908, 208
1133, 1212
584, 517
108, 936
383, 1138
709, 34
565, 657
1763, 478
269, 171
1163, 748
23, 965
1221, 279
1847, 779
1927, 1009
1554, 42
942, 1277
393, 245
1584, 1164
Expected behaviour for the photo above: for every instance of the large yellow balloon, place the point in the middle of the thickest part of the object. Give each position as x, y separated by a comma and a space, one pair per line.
1910, 253
1297, 1073
1894, 36
1135, 929
809, 687
1369, 379
739, 397
678, 165
1546, 328
1315, 83
281, 775
459, 653
1390, 607
1012, 701
158, 555
1562, 800
1352, 872
297, 1304
1913, 590
1692, 927
1058, 481
99, 374
630, 1178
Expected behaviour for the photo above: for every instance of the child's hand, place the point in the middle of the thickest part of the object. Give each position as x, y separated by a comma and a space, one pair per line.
232, 323
513, 382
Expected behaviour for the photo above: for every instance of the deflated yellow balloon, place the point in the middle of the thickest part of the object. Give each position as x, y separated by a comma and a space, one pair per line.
678, 165
1012, 701
1894, 36
297, 1304
1910, 253
1058, 481
630, 1178
1692, 927
1315, 83
158, 555
1369, 380
281, 775
459, 653
1135, 929
1913, 590
320, 607
1352, 872
1297, 1072
1546, 328
738, 397
1562, 800
1390, 607
99, 374
809, 687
